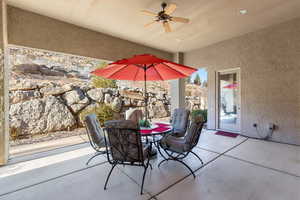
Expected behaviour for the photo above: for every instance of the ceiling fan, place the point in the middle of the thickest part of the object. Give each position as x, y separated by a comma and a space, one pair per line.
165, 17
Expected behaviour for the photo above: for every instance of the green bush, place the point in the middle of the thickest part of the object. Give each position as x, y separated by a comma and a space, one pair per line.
14, 134
100, 82
200, 112
103, 112
144, 123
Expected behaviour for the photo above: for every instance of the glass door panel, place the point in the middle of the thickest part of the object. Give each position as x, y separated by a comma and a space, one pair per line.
228, 101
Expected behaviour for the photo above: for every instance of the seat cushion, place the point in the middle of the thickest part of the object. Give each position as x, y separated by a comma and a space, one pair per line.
95, 131
180, 120
134, 115
173, 143
121, 124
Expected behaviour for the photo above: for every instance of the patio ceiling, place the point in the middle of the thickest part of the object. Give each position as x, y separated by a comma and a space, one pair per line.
211, 20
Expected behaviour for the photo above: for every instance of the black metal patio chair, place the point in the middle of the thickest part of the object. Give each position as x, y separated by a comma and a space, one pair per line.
95, 134
177, 149
126, 148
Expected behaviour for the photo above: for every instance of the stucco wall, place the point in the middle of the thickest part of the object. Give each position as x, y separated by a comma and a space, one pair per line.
269, 60
33, 30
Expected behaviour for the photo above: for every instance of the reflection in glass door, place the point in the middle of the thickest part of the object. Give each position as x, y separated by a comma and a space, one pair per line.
229, 101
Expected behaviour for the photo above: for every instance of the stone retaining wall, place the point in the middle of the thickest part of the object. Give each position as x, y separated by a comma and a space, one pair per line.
41, 108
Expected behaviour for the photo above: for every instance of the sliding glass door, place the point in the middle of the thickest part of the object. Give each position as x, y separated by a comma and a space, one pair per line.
228, 100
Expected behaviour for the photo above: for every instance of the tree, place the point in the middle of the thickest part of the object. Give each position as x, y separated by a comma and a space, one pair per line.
100, 82
197, 80
188, 80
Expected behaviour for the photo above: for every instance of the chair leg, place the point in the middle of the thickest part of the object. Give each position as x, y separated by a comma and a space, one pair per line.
181, 163
109, 175
187, 167
150, 166
95, 155
159, 151
163, 161
197, 157
145, 170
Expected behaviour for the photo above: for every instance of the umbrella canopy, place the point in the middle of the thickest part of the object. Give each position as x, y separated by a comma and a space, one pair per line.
144, 67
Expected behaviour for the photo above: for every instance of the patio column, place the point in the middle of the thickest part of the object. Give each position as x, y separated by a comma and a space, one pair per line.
177, 87
3, 86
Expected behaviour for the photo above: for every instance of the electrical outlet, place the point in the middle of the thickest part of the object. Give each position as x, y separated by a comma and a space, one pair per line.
271, 126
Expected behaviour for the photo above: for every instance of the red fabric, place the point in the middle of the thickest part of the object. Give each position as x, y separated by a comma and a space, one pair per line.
231, 86
161, 128
144, 131
162, 124
227, 134
156, 69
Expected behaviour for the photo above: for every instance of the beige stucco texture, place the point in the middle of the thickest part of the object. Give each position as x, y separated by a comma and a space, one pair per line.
34, 30
269, 61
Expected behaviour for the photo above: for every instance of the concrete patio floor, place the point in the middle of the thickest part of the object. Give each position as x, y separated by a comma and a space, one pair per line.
235, 168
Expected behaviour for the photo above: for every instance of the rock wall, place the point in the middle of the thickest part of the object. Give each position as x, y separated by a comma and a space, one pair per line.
41, 108
48, 92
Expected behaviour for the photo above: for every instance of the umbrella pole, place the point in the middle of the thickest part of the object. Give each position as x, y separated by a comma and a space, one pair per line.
145, 94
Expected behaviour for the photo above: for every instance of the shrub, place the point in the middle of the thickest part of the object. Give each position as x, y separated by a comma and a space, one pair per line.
200, 112
14, 134
144, 123
100, 82
103, 112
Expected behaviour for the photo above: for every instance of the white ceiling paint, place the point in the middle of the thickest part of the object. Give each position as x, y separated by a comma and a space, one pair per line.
211, 20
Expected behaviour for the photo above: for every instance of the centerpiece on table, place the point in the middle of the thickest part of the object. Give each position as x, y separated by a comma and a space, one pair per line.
144, 123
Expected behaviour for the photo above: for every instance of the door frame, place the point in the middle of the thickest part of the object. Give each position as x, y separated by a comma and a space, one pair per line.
239, 106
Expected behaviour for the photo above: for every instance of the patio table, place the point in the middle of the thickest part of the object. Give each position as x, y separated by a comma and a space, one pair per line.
157, 129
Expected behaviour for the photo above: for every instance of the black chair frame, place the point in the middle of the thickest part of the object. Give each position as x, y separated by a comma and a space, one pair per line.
142, 163
95, 147
179, 156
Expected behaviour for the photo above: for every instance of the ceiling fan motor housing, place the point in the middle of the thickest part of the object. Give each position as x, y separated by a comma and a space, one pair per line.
162, 16
164, 5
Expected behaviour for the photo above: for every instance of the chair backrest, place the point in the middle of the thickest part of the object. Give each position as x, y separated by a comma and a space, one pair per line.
124, 141
194, 131
134, 115
180, 120
94, 131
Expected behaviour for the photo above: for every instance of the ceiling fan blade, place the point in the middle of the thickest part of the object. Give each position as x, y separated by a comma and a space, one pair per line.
180, 19
148, 24
146, 12
170, 8
167, 27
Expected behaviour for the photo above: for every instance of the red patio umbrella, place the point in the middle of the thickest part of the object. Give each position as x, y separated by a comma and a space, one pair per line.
145, 67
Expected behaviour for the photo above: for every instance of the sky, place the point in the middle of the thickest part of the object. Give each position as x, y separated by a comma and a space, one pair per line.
202, 73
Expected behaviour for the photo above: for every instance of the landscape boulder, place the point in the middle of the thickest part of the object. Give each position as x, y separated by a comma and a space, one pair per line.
74, 96
56, 90
159, 110
20, 95
40, 116
116, 105
107, 98
96, 94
